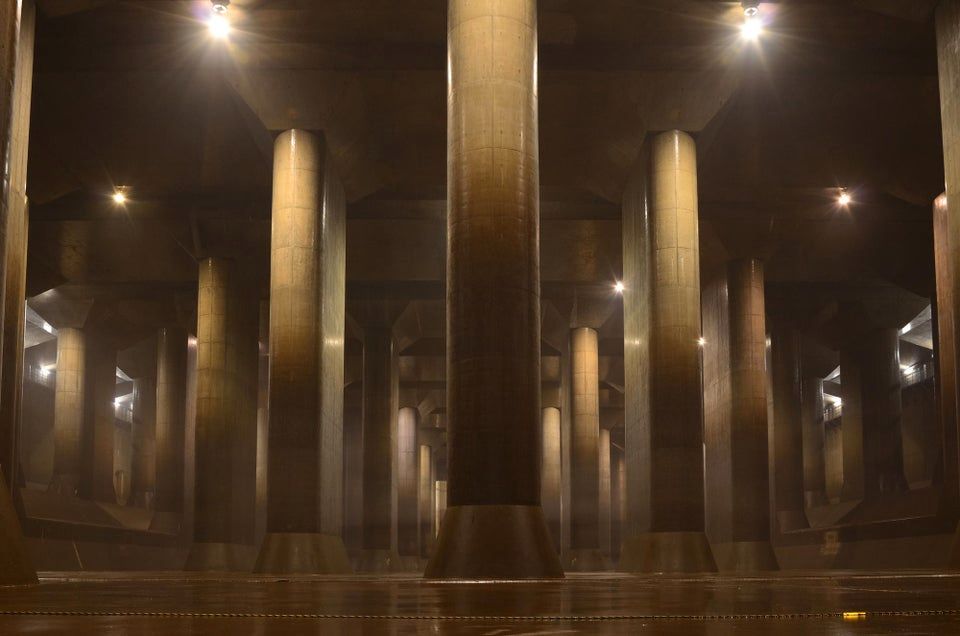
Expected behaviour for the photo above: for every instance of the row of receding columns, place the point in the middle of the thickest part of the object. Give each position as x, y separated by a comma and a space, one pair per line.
495, 525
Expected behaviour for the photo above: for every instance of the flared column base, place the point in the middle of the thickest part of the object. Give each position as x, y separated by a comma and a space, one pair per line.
494, 542
745, 556
220, 557
667, 552
585, 560
302, 553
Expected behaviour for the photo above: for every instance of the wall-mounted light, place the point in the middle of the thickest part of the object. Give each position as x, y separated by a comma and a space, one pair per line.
701, 341
618, 287
218, 22
752, 26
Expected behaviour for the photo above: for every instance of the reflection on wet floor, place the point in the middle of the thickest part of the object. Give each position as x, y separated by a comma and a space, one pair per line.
914, 603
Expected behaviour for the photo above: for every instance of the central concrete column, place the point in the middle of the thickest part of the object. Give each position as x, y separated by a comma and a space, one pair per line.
425, 502
585, 554
225, 421
100, 418
750, 549
408, 488
380, 413
307, 318
170, 427
143, 481
68, 410
550, 471
494, 527
814, 457
787, 429
664, 400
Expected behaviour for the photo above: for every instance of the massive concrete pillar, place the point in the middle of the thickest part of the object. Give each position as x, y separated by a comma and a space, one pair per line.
814, 451
380, 414
225, 421
100, 418
353, 469
143, 481
171, 413
664, 404
307, 318
750, 547
68, 410
948, 247
425, 502
440, 504
494, 527
605, 490
585, 546
550, 472
618, 487
408, 488
787, 429
945, 358
870, 379
14, 290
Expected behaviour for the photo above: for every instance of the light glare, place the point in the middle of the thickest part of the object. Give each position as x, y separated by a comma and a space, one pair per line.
219, 26
701, 341
752, 27
619, 287
844, 199
119, 196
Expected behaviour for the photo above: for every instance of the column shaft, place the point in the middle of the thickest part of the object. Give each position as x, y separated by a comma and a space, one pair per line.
948, 249
100, 419
495, 527
307, 317
664, 410
814, 453
14, 292
787, 429
606, 519
426, 503
380, 413
225, 421
408, 485
550, 472
170, 419
68, 410
946, 354
144, 478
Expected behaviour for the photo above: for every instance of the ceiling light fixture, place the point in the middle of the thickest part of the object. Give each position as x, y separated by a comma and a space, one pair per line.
219, 23
120, 195
752, 25
844, 198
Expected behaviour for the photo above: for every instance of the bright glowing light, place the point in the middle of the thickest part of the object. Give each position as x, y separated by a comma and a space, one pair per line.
46, 369
120, 196
701, 341
619, 287
752, 27
116, 402
844, 199
219, 25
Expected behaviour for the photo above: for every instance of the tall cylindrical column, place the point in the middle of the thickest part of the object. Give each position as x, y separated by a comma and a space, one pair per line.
171, 421
787, 430
100, 419
606, 488
68, 410
380, 414
664, 412
946, 340
494, 527
948, 263
814, 456
225, 421
550, 472
425, 503
408, 488
143, 479
440, 504
749, 466
307, 317
585, 546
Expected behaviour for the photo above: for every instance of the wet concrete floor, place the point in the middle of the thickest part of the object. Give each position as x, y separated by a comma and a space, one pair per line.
784, 604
